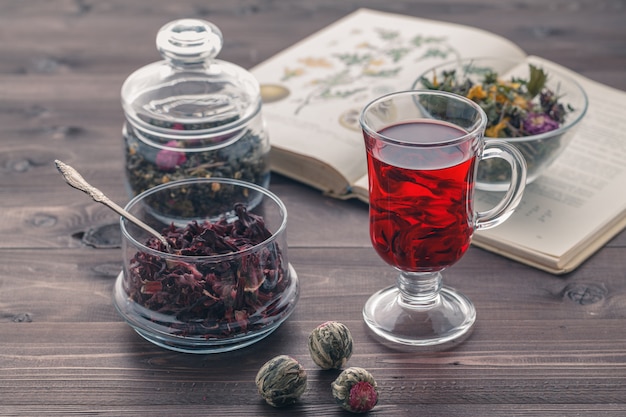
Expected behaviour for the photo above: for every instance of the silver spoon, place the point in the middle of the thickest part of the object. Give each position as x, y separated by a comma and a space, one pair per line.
74, 179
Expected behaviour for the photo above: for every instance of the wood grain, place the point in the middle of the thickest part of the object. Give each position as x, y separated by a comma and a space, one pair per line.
543, 345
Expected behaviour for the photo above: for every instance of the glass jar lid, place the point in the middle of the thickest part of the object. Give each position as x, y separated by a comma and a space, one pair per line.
190, 92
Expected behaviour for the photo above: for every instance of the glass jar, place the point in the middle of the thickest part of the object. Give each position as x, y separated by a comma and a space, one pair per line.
226, 281
192, 115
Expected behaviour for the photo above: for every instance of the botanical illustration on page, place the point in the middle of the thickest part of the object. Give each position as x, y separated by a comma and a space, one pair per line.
314, 91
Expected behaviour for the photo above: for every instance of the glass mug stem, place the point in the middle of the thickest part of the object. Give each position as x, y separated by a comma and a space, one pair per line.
419, 290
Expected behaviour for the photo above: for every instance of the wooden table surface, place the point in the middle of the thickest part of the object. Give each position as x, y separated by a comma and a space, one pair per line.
543, 345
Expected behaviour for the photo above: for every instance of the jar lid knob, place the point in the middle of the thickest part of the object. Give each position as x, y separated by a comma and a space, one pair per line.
189, 41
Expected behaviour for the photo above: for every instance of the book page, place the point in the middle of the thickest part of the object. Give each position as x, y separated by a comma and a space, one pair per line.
314, 91
582, 194
360, 188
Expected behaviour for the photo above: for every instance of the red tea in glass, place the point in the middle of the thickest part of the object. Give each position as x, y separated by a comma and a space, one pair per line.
423, 148
421, 199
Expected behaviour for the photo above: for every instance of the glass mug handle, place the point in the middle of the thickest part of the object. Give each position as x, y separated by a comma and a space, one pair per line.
497, 148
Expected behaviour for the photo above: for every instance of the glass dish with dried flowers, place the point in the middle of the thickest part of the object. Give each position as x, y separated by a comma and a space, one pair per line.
535, 110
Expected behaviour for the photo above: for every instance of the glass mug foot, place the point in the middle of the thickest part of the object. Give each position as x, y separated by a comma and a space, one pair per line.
444, 322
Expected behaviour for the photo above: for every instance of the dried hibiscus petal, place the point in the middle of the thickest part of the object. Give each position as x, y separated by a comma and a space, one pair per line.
214, 297
169, 159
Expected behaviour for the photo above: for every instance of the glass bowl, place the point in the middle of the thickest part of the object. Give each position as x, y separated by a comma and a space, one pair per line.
227, 283
540, 149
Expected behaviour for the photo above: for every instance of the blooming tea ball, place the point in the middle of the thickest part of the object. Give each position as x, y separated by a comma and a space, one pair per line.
281, 381
355, 390
330, 345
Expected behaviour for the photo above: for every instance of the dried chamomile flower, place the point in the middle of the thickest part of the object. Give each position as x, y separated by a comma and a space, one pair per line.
355, 390
281, 381
330, 345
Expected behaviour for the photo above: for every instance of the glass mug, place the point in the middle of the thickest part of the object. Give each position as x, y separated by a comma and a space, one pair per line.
423, 149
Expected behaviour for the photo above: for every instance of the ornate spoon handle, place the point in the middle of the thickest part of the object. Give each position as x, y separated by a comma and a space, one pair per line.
74, 179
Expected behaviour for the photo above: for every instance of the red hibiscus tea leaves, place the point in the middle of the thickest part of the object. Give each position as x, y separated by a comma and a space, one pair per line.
222, 281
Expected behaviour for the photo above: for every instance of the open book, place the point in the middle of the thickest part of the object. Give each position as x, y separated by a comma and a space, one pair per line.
314, 91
